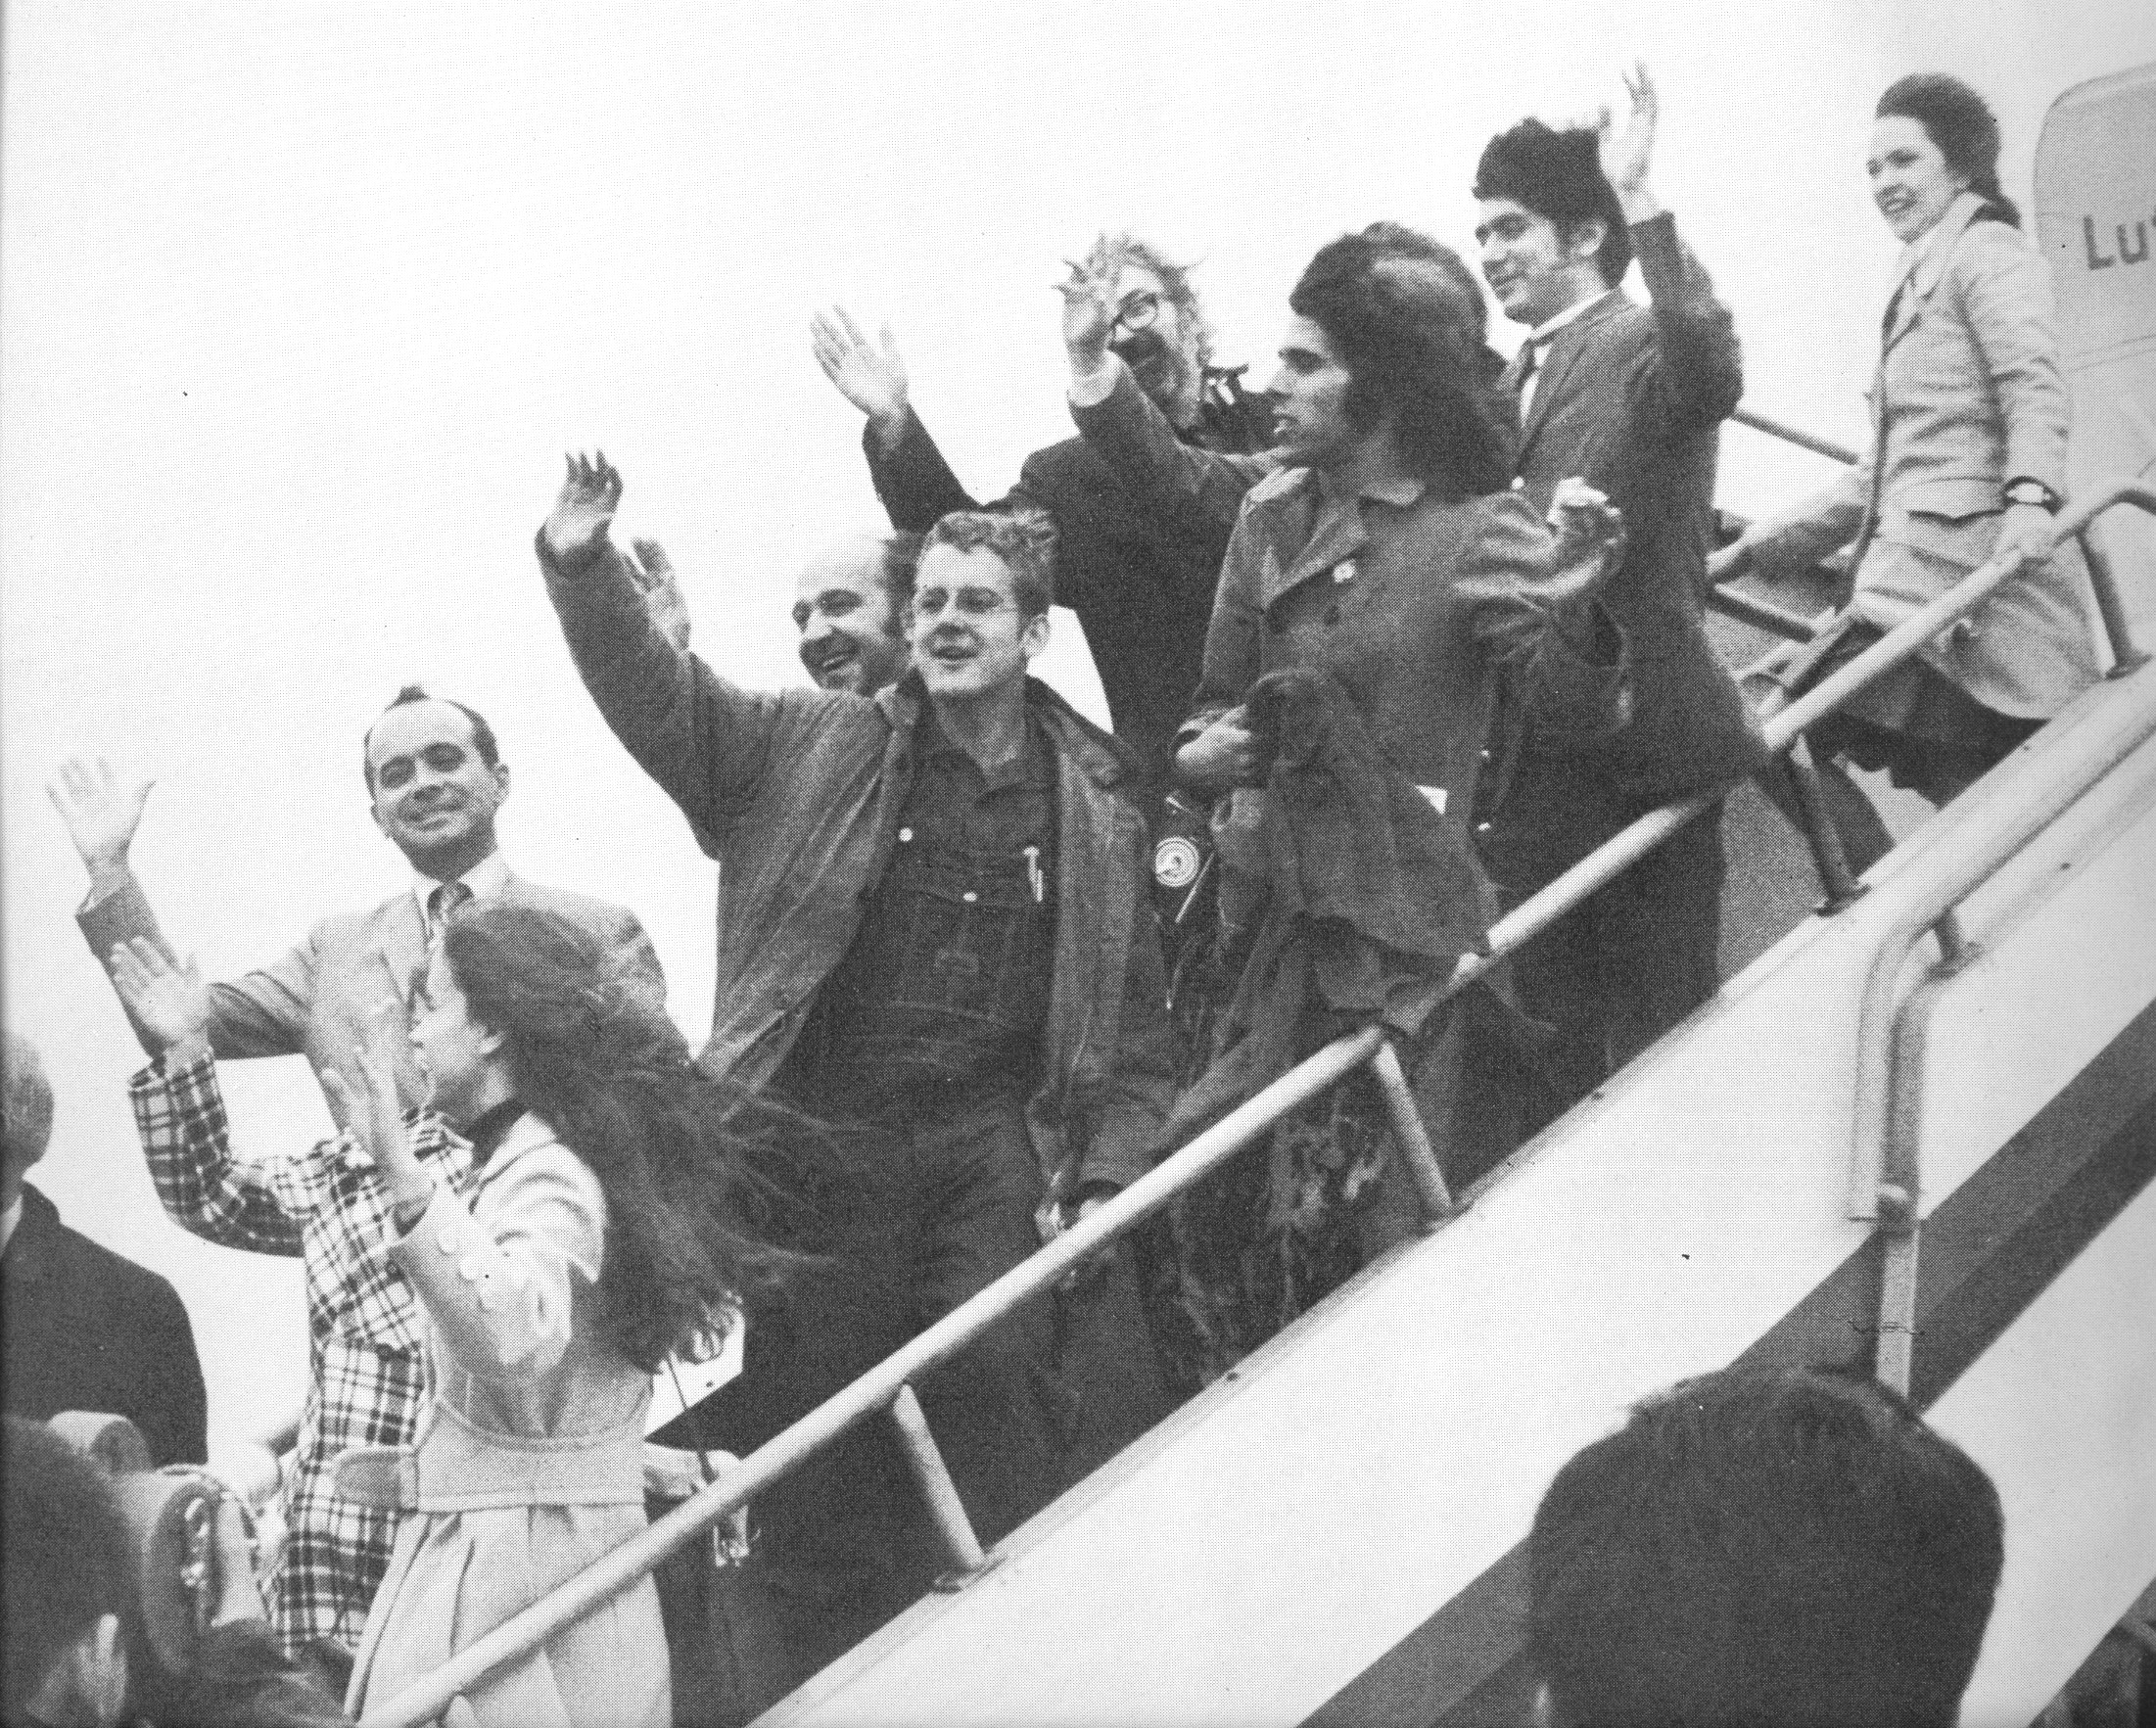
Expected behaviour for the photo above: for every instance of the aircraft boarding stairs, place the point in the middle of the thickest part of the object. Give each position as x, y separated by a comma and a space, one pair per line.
1917, 1134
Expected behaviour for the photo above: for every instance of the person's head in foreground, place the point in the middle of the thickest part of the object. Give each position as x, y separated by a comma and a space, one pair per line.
67, 1614
1784, 1549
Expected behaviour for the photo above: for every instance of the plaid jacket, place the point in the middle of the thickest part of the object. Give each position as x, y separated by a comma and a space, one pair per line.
365, 1326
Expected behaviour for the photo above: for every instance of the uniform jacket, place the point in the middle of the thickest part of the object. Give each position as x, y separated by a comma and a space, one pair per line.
85, 1329
797, 795
1139, 575
312, 1001
1967, 396
1632, 401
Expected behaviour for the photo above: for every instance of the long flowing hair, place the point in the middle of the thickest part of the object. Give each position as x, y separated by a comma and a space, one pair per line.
687, 1163
1410, 345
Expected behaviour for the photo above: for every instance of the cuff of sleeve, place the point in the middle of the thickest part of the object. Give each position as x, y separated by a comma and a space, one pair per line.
1094, 388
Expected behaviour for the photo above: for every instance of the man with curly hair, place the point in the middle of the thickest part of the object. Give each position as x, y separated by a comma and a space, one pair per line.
1140, 581
930, 926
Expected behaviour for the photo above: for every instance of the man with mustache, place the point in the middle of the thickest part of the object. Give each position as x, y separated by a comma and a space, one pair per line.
435, 780
931, 927
1632, 401
1141, 581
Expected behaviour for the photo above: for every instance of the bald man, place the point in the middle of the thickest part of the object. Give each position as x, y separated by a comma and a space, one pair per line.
850, 608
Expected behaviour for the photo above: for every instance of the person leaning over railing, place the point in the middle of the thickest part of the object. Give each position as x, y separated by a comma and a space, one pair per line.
1969, 429
1390, 555
595, 1235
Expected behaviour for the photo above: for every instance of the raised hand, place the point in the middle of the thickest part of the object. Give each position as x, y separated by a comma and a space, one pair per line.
1590, 541
1626, 159
654, 570
102, 812
169, 1002
363, 1096
873, 379
589, 495
1088, 316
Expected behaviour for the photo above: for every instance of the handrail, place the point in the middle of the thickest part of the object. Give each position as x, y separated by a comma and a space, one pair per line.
876, 1391
1789, 434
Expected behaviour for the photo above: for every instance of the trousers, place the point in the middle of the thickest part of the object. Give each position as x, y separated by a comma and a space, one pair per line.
942, 1204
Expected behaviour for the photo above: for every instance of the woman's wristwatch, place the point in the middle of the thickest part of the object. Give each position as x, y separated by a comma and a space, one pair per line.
2026, 490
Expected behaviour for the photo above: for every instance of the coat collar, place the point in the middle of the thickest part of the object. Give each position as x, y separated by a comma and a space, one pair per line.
1566, 347
1924, 262
1095, 752
31, 1248
526, 1135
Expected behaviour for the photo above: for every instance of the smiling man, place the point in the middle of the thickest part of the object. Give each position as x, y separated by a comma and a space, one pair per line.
1139, 580
1630, 399
435, 782
850, 608
930, 925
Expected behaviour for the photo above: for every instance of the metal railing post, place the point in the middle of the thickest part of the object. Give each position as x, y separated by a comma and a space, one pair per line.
1828, 856
2124, 656
967, 1559
1410, 1137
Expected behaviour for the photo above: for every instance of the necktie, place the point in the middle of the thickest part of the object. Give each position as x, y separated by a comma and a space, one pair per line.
1530, 367
443, 900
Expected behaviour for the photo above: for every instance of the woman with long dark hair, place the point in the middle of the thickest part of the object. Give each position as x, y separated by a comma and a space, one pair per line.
1968, 462
597, 1235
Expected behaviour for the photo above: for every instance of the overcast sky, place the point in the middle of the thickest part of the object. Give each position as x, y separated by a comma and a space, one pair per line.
300, 306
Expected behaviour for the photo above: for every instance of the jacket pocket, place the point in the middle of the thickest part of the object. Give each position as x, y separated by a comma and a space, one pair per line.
1951, 500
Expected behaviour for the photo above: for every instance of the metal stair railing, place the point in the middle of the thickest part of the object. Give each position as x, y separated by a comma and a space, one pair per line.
887, 1387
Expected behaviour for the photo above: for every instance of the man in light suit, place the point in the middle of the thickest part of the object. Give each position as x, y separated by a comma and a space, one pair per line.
1632, 401
435, 778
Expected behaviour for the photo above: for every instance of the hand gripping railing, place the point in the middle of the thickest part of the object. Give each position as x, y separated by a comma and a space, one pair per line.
887, 1387
1886, 1174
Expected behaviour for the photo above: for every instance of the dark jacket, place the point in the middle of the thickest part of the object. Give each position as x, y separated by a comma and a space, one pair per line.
797, 795
1632, 401
1420, 606
1140, 578
87, 1330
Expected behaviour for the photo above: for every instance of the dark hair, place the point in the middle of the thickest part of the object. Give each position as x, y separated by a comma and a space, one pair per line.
1396, 240
1113, 251
1410, 347
482, 735
1956, 119
901, 559
599, 1062
1024, 539
1794, 1548
1559, 175
65, 1563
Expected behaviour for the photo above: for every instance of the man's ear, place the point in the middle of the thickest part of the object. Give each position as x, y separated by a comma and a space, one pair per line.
1583, 239
1545, 1709
500, 771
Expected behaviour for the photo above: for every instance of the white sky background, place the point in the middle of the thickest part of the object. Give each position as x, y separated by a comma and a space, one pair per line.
300, 306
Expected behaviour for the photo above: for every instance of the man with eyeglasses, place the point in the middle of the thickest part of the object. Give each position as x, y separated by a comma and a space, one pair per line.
930, 928
1140, 580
